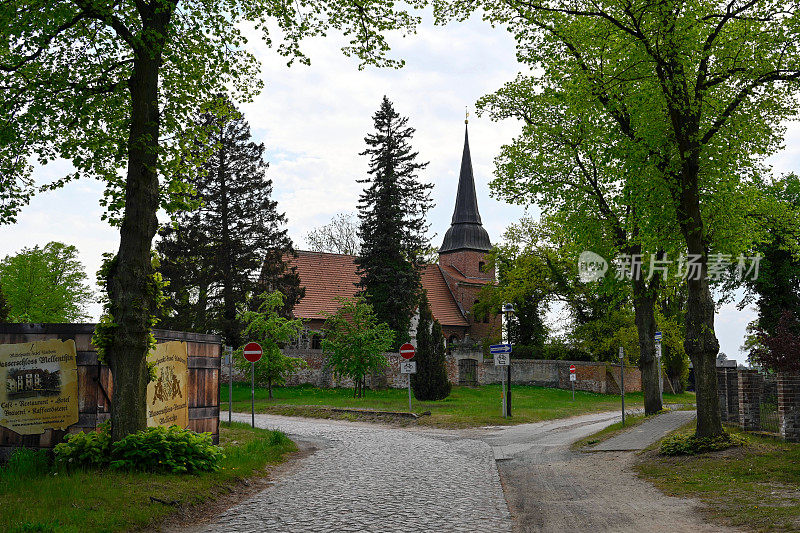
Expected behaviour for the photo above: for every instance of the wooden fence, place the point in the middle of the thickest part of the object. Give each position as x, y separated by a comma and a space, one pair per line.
95, 385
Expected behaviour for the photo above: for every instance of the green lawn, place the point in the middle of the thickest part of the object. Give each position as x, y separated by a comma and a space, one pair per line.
756, 487
465, 407
113, 501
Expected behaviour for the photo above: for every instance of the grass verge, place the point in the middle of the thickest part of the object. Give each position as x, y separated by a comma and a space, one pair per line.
86, 501
608, 432
756, 487
465, 407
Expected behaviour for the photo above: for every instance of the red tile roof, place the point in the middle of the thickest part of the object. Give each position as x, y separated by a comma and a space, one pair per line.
453, 273
328, 276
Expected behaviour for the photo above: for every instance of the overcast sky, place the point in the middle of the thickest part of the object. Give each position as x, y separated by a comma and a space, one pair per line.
313, 121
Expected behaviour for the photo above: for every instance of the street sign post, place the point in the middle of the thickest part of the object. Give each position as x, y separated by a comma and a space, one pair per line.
658, 363
572, 379
407, 351
253, 352
229, 355
502, 358
500, 348
622, 380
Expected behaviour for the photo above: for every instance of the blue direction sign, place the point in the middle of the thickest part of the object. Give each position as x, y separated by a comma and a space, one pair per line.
500, 348
658, 336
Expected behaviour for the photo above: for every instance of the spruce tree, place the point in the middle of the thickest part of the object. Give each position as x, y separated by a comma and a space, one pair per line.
392, 212
234, 245
430, 382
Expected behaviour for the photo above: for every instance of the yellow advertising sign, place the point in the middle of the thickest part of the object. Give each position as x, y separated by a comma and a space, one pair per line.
167, 396
38, 386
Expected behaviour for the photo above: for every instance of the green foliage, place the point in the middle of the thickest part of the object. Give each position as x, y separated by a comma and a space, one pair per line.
4, 311
690, 444
25, 463
272, 331
430, 382
392, 212
163, 450
46, 284
355, 342
674, 359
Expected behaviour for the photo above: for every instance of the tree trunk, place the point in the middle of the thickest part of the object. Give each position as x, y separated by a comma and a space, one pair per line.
701, 342
644, 301
131, 274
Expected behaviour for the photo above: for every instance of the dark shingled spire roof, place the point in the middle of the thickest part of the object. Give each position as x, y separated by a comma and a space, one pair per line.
466, 231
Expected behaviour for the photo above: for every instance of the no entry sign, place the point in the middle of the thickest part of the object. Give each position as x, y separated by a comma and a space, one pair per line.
571, 369
252, 352
407, 351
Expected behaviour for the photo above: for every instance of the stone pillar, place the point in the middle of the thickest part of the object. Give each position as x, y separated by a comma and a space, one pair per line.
750, 385
789, 405
732, 384
722, 393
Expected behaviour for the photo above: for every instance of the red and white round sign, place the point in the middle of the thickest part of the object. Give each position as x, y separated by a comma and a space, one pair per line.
571, 369
252, 352
407, 351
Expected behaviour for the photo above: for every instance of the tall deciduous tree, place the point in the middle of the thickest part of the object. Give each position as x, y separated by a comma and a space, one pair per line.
430, 381
46, 284
694, 93
339, 236
3, 306
355, 342
217, 257
111, 86
392, 210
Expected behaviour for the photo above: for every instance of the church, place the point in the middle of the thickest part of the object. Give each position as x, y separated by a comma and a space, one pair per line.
452, 284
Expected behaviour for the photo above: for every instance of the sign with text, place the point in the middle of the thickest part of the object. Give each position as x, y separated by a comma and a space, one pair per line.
408, 367
38, 386
167, 398
502, 359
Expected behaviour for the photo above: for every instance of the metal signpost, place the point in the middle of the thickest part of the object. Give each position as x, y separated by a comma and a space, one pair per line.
229, 355
572, 379
502, 357
407, 351
253, 352
658, 362
622, 380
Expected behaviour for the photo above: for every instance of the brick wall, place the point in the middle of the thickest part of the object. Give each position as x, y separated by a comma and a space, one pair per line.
722, 393
732, 388
789, 405
750, 387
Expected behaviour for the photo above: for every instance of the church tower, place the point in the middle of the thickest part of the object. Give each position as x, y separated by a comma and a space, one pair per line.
462, 254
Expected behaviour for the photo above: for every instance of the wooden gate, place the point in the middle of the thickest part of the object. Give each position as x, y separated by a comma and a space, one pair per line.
95, 385
468, 372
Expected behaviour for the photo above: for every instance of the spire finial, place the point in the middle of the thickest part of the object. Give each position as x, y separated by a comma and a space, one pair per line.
466, 119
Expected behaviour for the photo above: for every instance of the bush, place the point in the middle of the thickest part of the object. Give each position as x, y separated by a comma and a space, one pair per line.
26, 463
686, 444
158, 449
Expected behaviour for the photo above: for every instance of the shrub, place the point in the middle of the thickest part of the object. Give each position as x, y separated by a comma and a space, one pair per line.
158, 449
686, 444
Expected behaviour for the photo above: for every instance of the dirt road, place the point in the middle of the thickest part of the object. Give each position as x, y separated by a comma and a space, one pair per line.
550, 488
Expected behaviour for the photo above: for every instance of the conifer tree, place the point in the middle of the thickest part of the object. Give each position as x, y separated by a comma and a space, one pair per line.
234, 245
392, 213
430, 382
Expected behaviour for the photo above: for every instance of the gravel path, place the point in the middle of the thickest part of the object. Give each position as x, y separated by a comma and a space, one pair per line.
372, 478
550, 488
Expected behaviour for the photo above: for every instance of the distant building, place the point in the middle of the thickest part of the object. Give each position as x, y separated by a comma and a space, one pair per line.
452, 284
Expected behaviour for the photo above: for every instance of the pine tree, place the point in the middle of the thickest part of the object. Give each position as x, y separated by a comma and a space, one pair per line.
235, 245
430, 382
392, 213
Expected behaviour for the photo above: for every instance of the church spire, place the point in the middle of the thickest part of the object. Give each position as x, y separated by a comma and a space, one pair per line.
466, 231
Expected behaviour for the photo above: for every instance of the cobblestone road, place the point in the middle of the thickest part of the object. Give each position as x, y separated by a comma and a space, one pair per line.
374, 478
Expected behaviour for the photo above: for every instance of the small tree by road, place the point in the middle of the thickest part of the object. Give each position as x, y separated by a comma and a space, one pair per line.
430, 382
269, 329
354, 342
